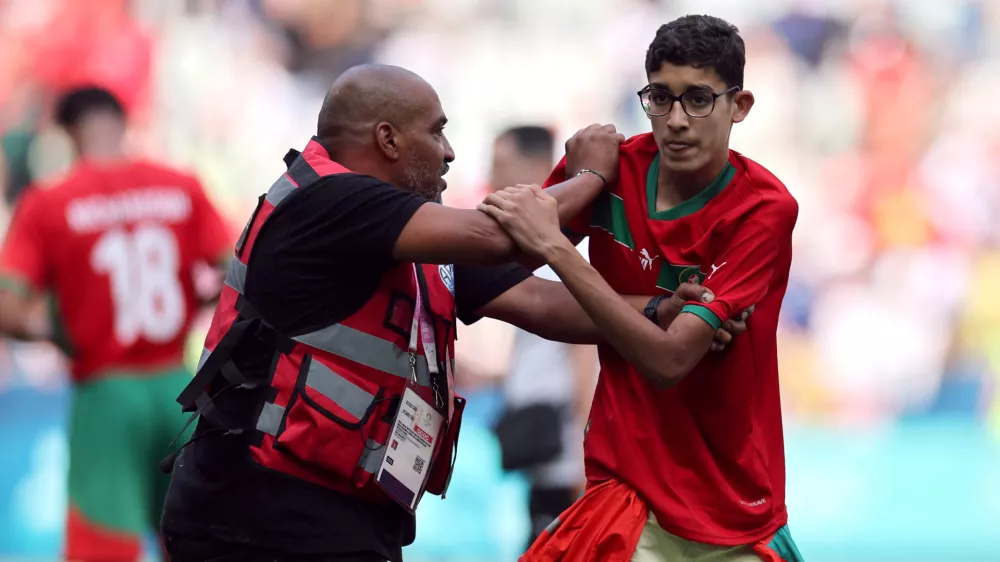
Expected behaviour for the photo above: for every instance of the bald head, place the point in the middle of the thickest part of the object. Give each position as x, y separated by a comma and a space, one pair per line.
387, 122
365, 95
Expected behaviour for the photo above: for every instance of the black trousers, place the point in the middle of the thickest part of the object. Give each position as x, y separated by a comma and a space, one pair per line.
185, 549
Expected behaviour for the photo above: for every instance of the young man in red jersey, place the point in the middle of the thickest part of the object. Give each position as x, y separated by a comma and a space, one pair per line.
684, 450
115, 242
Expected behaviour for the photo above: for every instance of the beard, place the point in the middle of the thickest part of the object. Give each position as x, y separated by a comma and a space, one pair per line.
420, 177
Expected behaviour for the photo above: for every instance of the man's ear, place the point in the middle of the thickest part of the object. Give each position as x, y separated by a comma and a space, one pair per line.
387, 138
743, 101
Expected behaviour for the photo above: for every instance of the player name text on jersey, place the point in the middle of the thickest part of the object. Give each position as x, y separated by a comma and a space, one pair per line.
99, 212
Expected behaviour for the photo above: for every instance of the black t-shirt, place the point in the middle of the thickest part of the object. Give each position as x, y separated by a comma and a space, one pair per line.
317, 259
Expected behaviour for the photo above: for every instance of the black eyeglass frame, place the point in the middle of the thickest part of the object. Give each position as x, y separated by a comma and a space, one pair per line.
673, 99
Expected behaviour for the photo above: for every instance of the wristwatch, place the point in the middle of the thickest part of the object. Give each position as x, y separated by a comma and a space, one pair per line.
652, 306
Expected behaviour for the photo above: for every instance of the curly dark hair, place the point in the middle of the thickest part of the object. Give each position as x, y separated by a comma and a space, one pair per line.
701, 42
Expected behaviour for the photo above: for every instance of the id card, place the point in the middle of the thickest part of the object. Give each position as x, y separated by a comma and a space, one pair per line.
409, 450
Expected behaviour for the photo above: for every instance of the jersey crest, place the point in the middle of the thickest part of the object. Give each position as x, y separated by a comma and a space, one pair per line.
447, 273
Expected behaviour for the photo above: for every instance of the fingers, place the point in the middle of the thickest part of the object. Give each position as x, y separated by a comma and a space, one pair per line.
722, 336
687, 292
491, 210
518, 190
599, 128
538, 192
721, 340
735, 326
535, 190
611, 130
507, 198
692, 292
521, 191
731, 329
497, 200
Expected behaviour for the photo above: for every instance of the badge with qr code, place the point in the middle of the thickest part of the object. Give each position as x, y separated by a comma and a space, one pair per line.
415, 431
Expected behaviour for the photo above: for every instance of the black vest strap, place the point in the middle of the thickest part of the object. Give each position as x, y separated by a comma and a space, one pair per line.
218, 362
197, 397
264, 331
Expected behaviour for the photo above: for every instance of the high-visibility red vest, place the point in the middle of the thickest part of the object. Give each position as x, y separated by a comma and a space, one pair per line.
333, 392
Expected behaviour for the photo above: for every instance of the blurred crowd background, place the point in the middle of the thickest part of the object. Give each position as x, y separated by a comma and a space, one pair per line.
880, 116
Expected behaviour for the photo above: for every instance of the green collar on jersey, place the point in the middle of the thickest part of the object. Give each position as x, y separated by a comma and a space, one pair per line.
693, 204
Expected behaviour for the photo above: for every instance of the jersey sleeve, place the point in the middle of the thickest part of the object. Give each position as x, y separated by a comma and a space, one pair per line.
477, 286
23, 262
742, 275
578, 226
214, 242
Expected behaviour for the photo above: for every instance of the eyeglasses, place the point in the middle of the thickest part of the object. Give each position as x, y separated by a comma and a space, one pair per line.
657, 101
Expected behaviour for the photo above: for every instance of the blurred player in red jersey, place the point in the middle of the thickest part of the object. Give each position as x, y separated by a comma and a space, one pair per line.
684, 450
115, 243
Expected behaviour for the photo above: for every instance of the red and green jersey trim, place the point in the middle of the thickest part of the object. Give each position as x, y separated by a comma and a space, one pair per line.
703, 313
692, 205
609, 215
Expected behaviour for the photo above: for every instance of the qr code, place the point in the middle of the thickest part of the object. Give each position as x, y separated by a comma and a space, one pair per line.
418, 465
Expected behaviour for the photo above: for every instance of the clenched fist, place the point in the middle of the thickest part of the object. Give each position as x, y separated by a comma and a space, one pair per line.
594, 148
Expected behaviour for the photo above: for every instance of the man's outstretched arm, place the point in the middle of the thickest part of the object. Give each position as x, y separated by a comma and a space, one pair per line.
664, 357
439, 234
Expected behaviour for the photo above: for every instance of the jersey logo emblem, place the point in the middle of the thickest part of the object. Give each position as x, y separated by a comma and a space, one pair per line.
645, 260
716, 268
672, 276
447, 274
691, 275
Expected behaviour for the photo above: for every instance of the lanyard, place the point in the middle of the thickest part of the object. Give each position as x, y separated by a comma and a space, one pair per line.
423, 327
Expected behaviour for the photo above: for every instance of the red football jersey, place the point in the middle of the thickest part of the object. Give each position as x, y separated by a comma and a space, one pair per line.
708, 454
116, 245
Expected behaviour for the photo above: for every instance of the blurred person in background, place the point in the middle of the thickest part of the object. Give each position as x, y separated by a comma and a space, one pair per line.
337, 323
684, 452
549, 386
116, 243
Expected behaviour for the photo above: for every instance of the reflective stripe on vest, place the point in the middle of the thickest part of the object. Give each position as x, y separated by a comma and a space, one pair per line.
352, 398
371, 457
270, 422
280, 189
344, 341
270, 418
236, 275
